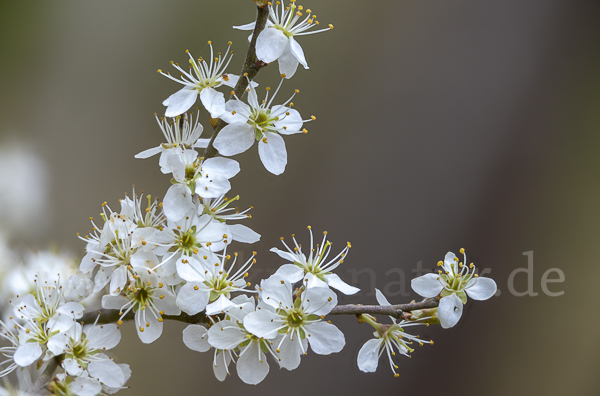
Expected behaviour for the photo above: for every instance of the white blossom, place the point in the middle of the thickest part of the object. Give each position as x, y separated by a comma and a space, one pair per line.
8, 365
293, 322
218, 209
458, 281
210, 282
260, 122
180, 132
316, 268
149, 298
84, 353
277, 41
388, 338
202, 80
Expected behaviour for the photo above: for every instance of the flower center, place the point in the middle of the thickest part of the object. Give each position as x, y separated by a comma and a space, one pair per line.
295, 317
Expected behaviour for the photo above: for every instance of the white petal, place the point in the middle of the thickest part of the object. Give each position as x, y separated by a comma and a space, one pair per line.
249, 26
221, 305
273, 153
288, 64
226, 335
449, 262
334, 281
103, 337
481, 288
319, 301
57, 344
72, 367
222, 360
192, 301
149, 153
83, 386
27, 353
313, 281
270, 44
201, 143
259, 323
450, 310
168, 303
290, 272
213, 101
291, 123
234, 139
298, 52
290, 352
244, 234
427, 285
252, 366
190, 269
325, 338
113, 302
108, 372
180, 102
177, 202
118, 280
381, 300
152, 327
195, 337
236, 112
368, 356
277, 292
225, 166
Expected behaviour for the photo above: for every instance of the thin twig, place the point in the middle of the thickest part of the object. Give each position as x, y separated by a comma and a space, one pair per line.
398, 311
250, 69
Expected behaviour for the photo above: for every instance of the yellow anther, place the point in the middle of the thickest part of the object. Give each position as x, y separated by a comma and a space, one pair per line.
312, 117
229, 43
462, 250
160, 319
120, 322
210, 42
330, 26
196, 288
159, 71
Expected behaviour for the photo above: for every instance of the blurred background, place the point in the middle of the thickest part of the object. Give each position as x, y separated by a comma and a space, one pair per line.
440, 125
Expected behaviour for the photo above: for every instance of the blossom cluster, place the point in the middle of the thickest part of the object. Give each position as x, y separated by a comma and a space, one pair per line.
147, 260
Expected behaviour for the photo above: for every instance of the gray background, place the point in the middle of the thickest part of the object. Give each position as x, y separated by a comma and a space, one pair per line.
441, 125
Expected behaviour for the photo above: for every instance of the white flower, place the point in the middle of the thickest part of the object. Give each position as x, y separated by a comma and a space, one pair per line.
149, 299
35, 338
230, 334
84, 353
48, 306
315, 268
261, 122
277, 40
80, 386
151, 216
180, 132
458, 280
209, 282
294, 322
218, 210
387, 338
191, 236
208, 178
204, 77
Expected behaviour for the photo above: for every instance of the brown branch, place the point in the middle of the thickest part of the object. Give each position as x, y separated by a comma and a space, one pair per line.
112, 316
401, 311
250, 69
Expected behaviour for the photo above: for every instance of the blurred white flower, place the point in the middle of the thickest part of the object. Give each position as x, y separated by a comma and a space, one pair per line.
24, 190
